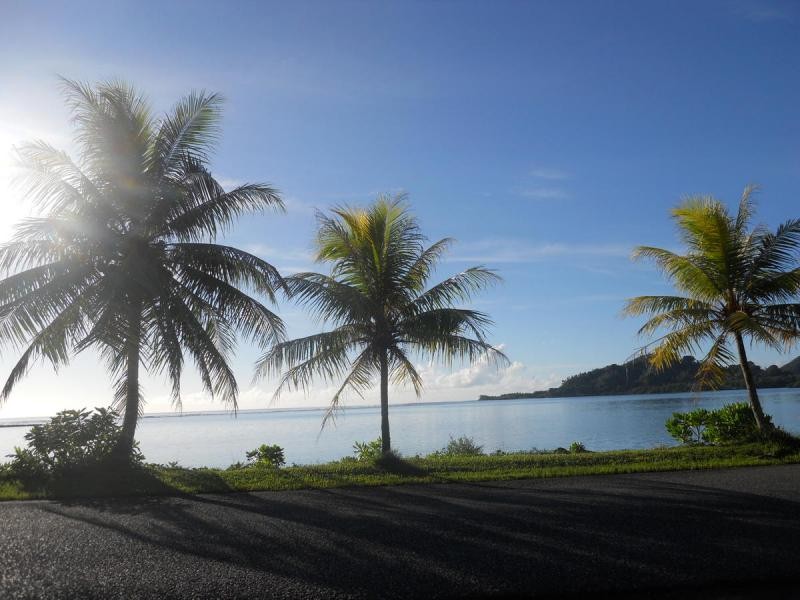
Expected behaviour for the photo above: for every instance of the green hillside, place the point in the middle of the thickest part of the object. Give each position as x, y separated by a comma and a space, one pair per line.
637, 377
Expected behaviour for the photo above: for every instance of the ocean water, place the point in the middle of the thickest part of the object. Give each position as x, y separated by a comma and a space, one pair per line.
599, 422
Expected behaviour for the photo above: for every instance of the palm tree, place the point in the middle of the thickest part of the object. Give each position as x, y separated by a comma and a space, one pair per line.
739, 282
122, 259
376, 298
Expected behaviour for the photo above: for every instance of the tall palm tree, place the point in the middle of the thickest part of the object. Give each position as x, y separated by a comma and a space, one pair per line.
376, 298
739, 283
122, 259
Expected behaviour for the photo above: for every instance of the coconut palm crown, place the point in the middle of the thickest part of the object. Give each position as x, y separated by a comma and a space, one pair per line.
121, 257
377, 299
739, 283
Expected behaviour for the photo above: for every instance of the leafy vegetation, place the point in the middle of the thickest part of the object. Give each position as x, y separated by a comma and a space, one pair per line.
121, 259
155, 479
731, 424
368, 451
460, 446
689, 427
71, 442
378, 300
739, 282
271, 455
577, 447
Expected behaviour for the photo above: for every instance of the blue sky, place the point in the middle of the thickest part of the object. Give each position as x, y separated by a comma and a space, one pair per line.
549, 138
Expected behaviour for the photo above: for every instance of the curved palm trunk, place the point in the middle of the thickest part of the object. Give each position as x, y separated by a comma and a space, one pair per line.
755, 403
131, 416
386, 444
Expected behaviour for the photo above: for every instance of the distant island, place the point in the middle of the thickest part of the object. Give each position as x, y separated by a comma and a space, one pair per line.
637, 377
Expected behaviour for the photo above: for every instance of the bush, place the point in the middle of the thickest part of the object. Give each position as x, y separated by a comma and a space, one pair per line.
577, 448
72, 441
267, 455
393, 461
368, 451
731, 424
461, 446
689, 428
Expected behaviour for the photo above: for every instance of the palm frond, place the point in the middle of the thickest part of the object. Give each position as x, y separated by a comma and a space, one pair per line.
329, 299
421, 269
191, 128
358, 380
711, 373
244, 312
324, 354
51, 181
431, 324
212, 210
51, 342
231, 265
459, 288
692, 274
403, 371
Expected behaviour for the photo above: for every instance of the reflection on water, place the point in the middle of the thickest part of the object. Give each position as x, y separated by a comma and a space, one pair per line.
600, 422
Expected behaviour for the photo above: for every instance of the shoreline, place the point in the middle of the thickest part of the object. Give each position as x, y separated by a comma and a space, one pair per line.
31, 421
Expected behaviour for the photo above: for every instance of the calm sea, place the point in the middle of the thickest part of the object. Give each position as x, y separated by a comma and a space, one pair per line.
600, 422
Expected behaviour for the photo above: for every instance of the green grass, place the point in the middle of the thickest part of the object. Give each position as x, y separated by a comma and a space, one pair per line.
161, 480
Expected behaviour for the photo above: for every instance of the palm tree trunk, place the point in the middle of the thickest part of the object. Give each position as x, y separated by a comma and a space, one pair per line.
386, 444
131, 416
755, 403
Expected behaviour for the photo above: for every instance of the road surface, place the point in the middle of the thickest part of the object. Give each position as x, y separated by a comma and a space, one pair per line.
711, 534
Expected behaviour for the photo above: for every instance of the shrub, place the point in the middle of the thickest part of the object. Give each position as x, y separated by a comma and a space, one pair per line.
577, 448
72, 441
267, 455
461, 446
25, 466
731, 424
688, 427
368, 451
392, 461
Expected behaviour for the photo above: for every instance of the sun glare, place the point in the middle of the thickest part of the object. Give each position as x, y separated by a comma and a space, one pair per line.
12, 204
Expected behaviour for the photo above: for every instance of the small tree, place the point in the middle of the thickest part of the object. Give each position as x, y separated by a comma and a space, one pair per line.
271, 455
70, 441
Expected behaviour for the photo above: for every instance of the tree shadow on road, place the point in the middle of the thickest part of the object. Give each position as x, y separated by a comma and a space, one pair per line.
456, 540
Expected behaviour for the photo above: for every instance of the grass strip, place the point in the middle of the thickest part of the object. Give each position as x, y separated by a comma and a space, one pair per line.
167, 480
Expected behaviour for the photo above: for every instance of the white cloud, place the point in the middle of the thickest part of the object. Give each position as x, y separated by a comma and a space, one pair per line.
544, 193
287, 260
483, 377
439, 384
521, 251
364, 197
273, 253
763, 11
294, 206
548, 173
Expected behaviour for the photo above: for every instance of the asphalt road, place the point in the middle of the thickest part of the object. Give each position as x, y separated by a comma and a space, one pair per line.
713, 534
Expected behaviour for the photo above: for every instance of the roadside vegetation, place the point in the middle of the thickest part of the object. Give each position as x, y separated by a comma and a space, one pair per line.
72, 455
175, 480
